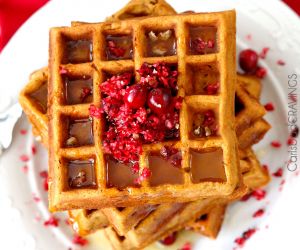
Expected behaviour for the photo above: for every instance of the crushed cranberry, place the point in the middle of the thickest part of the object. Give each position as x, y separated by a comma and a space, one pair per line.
249, 37
278, 173
94, 111
33, 149
25, 169
63, 71
78, 240
169, 240
275, 144
44, 176
130, 120
259, 194
24, 158
281, 62
52, 221
146, 173
85, 92
186, 246
166, 152
212, 88
115, 50
291, 141
176, 160
261, 72
248, 59
281, 185
136, 96
264, 52
269, 106
23, 131
199, 45
36, 198
258, 213
295, 132
245, 236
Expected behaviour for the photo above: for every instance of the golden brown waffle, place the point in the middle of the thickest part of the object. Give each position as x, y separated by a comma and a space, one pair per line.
63, 197
209, 224
251, 84
155, 226
254, 175
253, 134
85, 222
141, 8
247, 108
33, 99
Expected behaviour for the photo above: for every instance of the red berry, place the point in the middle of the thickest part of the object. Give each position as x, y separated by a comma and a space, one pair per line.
261, 72
159, 100
275, 144
135, 96
269, 106
169, 240
248, 60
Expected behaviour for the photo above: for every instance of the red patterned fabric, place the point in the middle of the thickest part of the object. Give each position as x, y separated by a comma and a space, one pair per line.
14, 12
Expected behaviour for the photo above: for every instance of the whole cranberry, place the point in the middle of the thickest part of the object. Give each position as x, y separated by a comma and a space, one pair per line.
135, 96
169, 240
159, 100
248, 60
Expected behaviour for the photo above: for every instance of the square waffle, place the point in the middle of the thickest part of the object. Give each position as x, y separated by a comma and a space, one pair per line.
122, 219
151, 229
96, 194
209, 224
254, 177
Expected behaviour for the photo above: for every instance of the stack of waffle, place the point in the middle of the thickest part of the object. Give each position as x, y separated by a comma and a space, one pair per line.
184, 177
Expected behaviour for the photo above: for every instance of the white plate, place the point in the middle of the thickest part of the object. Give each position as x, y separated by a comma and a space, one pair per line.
270, 23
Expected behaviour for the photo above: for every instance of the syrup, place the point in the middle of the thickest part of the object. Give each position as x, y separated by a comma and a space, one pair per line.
81, 173
80, 133
80, 51
207, 166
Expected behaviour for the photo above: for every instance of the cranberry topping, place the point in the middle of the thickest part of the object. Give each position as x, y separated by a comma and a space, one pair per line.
259, 213
278, 173
248, 59
169, 240
281, 62
135, 96
245, 236
186, 246
159, 100
212, 88
52, 221
130, 120
78, 240
275, 144
269, 106
264, 52
261, 72
115, 50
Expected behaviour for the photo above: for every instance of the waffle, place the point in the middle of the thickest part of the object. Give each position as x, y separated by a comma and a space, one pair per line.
63, 197
254, 177
251, 84
85, 222
33, 99
123, 219
253, 134
247, 108
141, 8
155, 226
209, 224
